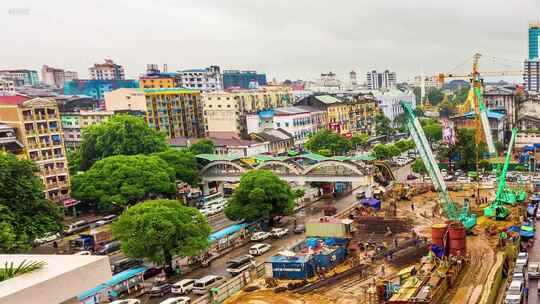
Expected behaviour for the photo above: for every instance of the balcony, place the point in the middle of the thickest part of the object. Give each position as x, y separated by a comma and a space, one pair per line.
42, 131
28, 118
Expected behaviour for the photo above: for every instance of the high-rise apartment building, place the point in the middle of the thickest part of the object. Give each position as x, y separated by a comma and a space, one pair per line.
37, 125
206, 79
243, 79
534, 32
21, 77
531, 75
176, 111
381, 81
97, 88
7, 87
107, 71
56, 77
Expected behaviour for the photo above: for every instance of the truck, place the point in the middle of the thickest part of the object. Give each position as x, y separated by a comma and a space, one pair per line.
92, 241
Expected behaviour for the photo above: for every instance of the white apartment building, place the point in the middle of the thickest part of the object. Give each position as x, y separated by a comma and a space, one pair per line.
207, 79
125, 99
389, 101
299, 121
377, 81
56, 77
429, 82
7, 87
107, 71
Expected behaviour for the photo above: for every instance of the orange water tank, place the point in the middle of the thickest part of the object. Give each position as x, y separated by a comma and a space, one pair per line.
437, 234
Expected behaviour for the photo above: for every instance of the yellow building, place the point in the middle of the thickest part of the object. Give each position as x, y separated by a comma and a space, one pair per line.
177, 112
225, 111
157, 82
38, 128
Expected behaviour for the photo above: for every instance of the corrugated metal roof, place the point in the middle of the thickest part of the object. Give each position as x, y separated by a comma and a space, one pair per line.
327, 99
227, 231
116, 279
214, 157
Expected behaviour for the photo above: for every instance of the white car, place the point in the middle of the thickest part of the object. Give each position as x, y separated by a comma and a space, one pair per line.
259, 236
85, 252
126, 301
279, 232
534, 271
177, 300
538, 214
183, 286
259, 249
47, 237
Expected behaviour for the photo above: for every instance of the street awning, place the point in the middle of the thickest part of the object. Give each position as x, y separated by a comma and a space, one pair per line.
68, 202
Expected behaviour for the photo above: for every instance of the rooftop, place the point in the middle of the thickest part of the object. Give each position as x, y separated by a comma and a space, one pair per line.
13, 100
295, 110
170, 91
327, 99
62, 278
218, 142
274, 135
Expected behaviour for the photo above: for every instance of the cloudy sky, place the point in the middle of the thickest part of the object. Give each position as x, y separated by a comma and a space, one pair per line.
284, 38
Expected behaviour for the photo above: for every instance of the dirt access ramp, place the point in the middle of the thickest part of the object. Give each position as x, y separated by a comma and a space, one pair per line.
470, 287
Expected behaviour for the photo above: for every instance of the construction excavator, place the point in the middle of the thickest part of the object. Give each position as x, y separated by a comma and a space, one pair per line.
505, 195
417, 133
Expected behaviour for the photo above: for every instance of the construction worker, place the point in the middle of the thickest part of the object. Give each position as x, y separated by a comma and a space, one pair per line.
502, 238
412, 206
382, 270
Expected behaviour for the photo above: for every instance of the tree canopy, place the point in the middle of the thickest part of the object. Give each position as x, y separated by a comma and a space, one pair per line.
447, 109
388, 151
203, 146
466, 148
124, 180
435, 96
260, 195
328, 140
404, 144
25, 214
382, 125
119, 135
359, 140
418, 166
432, 129
161, 229
184, 164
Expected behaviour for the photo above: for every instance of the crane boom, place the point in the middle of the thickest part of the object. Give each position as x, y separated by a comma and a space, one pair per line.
502, 178
482, 109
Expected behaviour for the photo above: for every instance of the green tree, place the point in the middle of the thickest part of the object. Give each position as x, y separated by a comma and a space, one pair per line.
435, 96
382, 125
417, 95
119, 135
432, 129
393, 150
460, 95
499, 147
404, 145
260, 195
124, 180
447, 109
325, 152
25, 214
418, 166
184, 164
74, 162
359, 140
203, 146
466, 148
380, 151
161, 229
328, 140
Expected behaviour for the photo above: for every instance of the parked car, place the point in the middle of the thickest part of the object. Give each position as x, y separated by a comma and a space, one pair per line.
299, 229
76, 227
514, 294
183, 287
109, 247
260, 236
279, 232
463, 179
239, 264
160, 289
84, 252
538, 214
202, 285
47, 238
99, 223
177, 300
152, 272
109, 218
126, 301
411, 177
534, 271
259, 249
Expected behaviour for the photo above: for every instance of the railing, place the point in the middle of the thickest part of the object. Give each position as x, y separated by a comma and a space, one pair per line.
54, 171
232, 286
28, 118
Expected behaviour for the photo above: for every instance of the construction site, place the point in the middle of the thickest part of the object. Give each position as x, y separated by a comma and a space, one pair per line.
417, 242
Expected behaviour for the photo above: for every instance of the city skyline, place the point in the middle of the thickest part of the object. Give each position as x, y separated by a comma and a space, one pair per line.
296, 40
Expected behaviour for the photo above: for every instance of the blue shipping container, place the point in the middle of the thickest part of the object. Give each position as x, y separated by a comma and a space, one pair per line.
299, 268
330, 260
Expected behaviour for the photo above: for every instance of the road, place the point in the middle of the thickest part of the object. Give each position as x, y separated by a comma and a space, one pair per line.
534, 257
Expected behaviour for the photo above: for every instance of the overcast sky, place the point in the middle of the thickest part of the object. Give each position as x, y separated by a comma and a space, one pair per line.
284, 38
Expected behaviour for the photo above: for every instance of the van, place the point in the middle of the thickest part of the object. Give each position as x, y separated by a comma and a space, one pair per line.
182, 287
202, 285
239, 264
125, 264
75, 227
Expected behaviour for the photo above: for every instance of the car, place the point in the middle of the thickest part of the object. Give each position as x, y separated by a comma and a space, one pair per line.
259, 249
260, 236
152, 272
126, 301
518, 276
109, 218
411, 177
47, 238
160, 289
84, 252
534, 271
514, 294
183, 286
463, 179
522, 261
448, 178
538, 214
109, 248
99, 223
177, 300
202, 285
125, 264
279, 232
299, 229
523, 255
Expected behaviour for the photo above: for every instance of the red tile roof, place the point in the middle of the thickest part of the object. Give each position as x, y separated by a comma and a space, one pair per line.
13, 100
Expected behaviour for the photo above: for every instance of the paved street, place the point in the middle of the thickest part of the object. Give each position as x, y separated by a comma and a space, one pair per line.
534, 257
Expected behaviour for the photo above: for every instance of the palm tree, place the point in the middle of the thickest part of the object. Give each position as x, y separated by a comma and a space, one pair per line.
11, 270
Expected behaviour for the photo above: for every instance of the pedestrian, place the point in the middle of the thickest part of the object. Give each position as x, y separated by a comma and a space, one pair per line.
382, 270
395, 242
55, 246
412, 206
